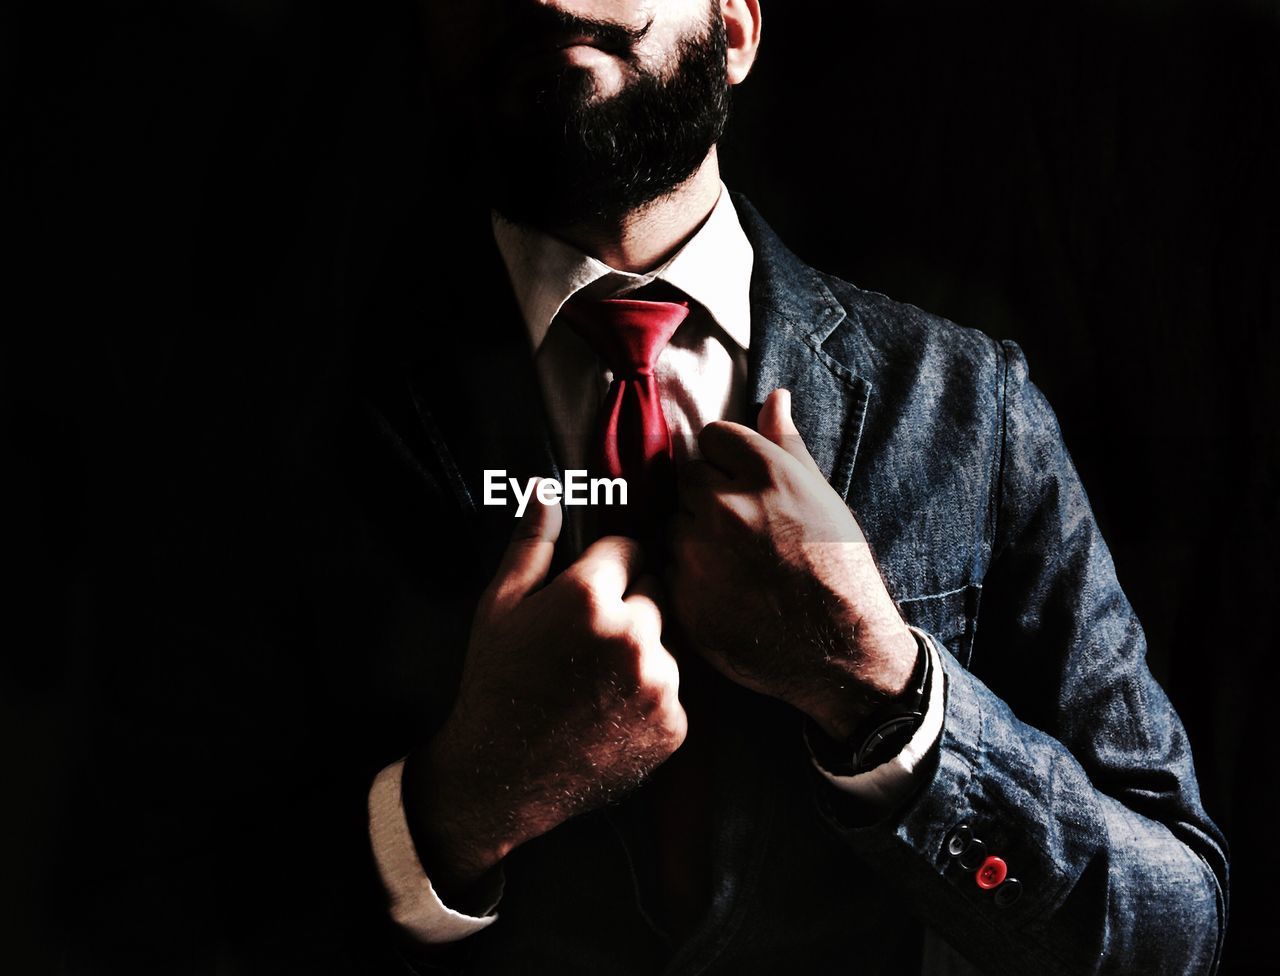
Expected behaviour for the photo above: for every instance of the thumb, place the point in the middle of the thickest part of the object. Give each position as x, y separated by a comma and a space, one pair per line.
776, 424
528, 557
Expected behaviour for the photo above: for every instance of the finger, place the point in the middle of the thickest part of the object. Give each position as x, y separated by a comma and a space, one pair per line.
700, 474
645, 601
528, 557
736, 450
775, 423
608, 565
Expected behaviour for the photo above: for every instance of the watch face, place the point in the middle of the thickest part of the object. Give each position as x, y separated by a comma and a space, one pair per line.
887, 740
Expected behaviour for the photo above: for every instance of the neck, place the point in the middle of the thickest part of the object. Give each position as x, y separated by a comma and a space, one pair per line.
644, 238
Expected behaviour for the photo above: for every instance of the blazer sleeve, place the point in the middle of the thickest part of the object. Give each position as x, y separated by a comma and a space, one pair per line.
1068, 762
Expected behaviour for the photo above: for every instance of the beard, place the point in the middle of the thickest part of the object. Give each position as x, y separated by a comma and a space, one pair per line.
566, 156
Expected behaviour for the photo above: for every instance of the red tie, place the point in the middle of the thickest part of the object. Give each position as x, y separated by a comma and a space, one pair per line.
633, 441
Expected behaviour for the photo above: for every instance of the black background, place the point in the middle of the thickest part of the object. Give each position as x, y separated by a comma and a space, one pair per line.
1096, 180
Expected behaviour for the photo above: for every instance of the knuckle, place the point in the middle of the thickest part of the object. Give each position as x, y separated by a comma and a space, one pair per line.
620, 548
621, 659
599, 624
633, 638
576, 584
580, 592
675, 725
628, 548
627, 644
712, 428
660, 679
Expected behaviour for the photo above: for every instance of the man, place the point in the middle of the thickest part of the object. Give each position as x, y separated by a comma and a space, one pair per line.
860, 778
748, 723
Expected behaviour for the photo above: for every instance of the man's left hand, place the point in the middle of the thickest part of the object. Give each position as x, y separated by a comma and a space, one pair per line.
773, 581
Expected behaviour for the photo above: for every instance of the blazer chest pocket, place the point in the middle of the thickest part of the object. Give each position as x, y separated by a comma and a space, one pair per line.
950, 617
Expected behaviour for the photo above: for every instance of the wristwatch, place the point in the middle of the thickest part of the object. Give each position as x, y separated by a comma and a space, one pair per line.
882, 734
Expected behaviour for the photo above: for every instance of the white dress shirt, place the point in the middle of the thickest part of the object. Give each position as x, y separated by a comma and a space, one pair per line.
702, 375
702, 372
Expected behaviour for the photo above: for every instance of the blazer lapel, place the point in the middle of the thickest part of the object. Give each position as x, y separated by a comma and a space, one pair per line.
793, 313
467, 391
481, 408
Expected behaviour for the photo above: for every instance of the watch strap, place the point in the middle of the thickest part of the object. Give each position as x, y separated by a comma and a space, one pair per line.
884, 733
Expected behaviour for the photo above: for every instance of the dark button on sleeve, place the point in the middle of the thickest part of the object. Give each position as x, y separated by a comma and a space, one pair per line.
1009, 892
974, 854
959, 840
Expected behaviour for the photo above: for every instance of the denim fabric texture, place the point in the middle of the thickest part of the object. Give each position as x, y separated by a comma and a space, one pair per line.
1059, 750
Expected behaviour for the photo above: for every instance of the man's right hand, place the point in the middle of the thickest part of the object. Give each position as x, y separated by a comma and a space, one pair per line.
568, 700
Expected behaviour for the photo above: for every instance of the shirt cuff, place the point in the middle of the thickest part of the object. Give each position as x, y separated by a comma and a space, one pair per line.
892, 781
415, 906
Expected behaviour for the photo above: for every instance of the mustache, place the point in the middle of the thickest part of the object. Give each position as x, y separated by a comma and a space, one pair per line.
538, 27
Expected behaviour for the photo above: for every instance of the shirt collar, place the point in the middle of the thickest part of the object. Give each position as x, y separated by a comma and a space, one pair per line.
713, 268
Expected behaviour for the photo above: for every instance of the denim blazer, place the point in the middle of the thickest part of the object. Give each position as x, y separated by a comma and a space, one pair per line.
1059, 751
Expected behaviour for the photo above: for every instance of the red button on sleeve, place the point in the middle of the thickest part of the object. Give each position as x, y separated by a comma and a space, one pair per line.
992, 873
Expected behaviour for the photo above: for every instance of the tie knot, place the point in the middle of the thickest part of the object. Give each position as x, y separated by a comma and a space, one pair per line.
626, 333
